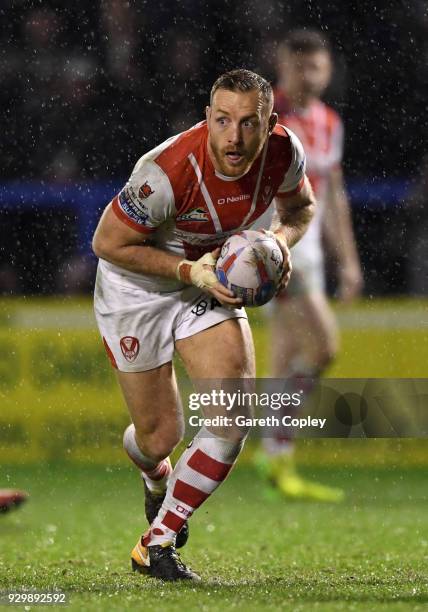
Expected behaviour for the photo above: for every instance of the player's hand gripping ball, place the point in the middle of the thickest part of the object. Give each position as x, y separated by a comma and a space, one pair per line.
250, 265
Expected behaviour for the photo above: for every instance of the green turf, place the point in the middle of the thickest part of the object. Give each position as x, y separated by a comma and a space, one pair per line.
253, 552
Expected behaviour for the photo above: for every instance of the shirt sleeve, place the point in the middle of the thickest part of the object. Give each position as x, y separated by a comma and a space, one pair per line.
147, 199
337, 139
295, 175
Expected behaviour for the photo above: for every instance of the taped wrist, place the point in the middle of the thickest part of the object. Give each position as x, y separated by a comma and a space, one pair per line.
183, 271
199, 273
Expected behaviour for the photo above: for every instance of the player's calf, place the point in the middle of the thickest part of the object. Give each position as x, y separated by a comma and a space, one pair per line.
203, 466
200, 470
155, 477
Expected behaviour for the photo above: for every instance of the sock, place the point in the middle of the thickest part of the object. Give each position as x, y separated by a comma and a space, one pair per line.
154, 473
300, 375
200, 470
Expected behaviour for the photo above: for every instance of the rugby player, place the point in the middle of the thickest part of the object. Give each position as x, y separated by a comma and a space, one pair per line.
304, 335
156, 291
11, 498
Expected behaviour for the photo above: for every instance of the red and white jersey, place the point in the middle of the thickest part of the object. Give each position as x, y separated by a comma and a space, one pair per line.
320, 130
176, 198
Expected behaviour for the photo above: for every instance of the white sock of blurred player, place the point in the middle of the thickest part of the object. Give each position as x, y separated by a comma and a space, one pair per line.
155, 474
300, 376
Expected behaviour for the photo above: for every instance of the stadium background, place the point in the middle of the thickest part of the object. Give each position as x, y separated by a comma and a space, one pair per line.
85, 90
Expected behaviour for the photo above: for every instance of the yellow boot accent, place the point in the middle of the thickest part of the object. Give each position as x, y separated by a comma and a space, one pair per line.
281, 472
140, 560
296, 487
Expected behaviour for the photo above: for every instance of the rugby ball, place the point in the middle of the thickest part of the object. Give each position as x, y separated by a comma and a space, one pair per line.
250, 265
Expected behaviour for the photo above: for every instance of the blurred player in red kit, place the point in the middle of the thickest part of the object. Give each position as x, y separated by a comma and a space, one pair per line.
157, 293
304, 335
11, 498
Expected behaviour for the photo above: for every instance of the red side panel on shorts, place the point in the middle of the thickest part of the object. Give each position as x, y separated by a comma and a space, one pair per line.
110, 354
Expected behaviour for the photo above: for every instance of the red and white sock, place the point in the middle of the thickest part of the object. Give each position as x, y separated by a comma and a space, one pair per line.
156, 474
200, 470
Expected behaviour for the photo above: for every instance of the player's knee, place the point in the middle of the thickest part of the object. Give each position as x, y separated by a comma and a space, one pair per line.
160, 450
327, 353
158, 444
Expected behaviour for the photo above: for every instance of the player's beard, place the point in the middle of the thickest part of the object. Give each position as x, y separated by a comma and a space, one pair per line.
227, 168
309, 91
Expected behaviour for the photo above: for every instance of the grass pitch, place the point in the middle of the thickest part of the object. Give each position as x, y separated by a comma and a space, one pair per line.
254, 552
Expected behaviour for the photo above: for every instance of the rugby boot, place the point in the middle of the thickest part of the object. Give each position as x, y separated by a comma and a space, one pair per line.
298, 488
280, 471
152, 505
161, 562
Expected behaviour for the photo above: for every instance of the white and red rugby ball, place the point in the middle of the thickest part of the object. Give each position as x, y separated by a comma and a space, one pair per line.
250, 265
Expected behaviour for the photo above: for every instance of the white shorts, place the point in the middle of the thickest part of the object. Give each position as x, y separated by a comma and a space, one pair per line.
139, 327
306, 277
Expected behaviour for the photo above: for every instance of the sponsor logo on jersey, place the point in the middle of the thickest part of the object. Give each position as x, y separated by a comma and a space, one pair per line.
134, 209
130, 348
131, 196
196, 214
145, 191
232, 199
